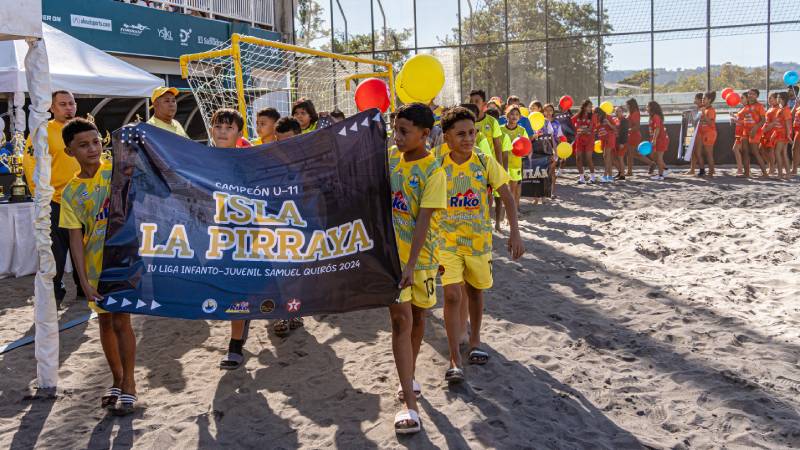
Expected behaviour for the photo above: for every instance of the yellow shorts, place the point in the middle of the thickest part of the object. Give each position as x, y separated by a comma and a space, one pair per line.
475, 270
96, 308
422, 293
515, 175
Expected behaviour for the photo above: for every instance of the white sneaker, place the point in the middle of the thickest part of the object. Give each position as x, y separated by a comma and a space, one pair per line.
657, 178
558, 172
667, 173
581, 180
604, 179
592, 180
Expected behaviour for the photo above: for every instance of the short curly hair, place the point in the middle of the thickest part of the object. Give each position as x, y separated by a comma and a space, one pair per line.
456, 114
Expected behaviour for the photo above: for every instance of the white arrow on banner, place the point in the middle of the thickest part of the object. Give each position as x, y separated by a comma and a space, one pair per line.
343, 132
154, 304
110, 301
125, 302
140, 303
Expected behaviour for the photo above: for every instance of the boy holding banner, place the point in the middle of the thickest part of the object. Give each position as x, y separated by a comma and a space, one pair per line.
84, 206
419, 189
226, 130
467, 252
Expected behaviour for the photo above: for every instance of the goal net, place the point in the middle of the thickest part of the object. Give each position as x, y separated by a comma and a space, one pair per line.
248, 74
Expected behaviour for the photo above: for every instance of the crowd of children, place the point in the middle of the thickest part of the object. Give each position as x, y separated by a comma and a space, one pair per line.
449, 167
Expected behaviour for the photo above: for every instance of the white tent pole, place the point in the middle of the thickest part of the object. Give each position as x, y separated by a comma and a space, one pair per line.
19, 112
37, 74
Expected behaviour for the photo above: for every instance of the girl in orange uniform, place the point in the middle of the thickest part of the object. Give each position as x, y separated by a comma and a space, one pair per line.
767, 146
738, 124
658, 137
635, 137
781, 133
796, 144
753, 116
707, 136
584, 140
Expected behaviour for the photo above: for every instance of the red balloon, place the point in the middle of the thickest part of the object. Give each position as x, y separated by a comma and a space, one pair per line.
565, 102
521, 146
733, 99
372, 93
726, 92
562, 139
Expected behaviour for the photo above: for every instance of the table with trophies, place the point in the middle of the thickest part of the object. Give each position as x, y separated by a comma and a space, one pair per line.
17, 244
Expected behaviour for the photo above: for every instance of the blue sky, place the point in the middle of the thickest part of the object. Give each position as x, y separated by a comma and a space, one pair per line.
436, 18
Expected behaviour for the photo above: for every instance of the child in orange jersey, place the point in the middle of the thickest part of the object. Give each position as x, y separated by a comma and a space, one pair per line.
707, 137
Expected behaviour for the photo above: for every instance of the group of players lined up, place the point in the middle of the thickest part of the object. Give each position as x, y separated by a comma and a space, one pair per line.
441, 219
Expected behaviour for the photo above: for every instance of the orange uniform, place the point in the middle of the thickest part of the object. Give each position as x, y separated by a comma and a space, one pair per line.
738, 127
584, 134
634, 135
750, 116
662, 141
796, 125
607, 134
708, 130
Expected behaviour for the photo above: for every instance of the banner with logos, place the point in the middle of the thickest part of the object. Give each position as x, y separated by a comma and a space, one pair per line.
131, 29
293, 228
536, 181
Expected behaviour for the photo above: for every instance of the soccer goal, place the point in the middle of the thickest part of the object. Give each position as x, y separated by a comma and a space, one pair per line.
248, 74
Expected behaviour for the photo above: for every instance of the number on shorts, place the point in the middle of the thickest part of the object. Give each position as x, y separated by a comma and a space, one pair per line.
430, 286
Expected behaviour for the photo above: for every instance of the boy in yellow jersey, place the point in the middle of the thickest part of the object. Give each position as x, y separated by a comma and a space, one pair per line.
419, 190
84, 206
511, 131
466, 254
265, 126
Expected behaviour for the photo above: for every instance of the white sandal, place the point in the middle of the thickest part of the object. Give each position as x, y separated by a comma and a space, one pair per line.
414, 386
405, 416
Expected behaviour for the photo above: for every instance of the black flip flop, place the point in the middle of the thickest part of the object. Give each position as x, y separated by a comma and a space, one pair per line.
454, 375
478, 356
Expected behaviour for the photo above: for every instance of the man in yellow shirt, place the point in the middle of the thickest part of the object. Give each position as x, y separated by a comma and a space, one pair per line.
164, 108
63, 169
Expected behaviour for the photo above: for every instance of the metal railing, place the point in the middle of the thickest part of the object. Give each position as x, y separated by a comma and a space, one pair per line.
255, 12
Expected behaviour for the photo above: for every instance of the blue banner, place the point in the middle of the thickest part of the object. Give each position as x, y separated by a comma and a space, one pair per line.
293, 228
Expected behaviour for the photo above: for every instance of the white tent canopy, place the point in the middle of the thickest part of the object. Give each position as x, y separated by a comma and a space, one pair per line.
76, 67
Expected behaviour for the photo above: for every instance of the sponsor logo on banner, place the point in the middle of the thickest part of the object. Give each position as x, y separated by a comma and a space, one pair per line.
267, 306
467, 200
209, 306
538, 172
165, 34
133, 30
239, 308
49, 18
399, 203
293, 305
185, 34
92, 23
209, 40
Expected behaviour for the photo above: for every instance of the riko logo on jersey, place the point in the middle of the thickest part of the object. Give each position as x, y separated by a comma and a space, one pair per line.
467, 200
399, 203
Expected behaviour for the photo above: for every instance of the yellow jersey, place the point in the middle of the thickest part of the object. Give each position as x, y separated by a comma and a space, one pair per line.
489, 128
417, 184
63, 167
173, 127
509, 135
85, 206
465, 224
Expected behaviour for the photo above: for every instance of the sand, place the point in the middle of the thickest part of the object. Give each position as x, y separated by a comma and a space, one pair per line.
647, 314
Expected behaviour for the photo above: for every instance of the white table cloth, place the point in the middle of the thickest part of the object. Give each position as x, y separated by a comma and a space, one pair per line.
17, 246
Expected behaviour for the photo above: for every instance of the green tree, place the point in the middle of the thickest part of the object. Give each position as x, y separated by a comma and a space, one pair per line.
573, 59
309, 25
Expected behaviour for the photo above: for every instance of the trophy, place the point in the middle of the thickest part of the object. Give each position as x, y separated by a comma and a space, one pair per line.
19, 190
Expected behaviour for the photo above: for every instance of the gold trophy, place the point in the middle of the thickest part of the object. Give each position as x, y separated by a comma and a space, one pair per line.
19, 190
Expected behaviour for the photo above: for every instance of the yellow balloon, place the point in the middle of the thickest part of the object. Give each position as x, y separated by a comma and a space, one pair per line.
403, 95
598, 146
564, 150
607, 107
422, 77
537, 120
524, 111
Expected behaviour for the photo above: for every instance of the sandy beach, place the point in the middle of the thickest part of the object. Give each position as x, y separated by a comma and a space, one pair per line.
645, 315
